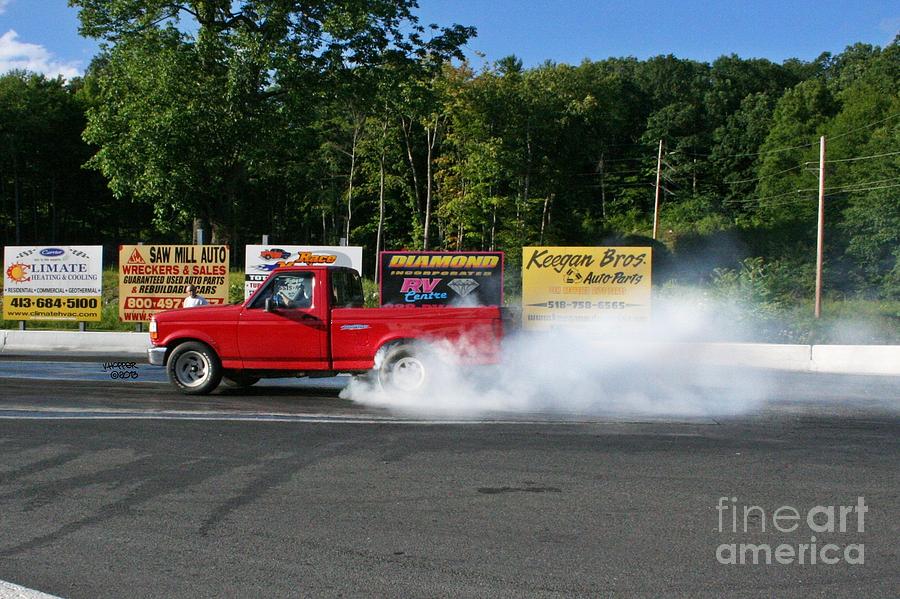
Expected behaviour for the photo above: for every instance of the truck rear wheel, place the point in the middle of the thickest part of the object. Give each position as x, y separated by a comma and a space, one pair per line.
406, 368
194, 368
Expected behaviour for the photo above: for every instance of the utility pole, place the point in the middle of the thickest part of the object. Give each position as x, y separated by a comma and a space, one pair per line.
656, 201
820, 237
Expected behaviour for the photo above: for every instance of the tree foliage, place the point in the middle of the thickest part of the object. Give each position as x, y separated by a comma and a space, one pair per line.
317, 120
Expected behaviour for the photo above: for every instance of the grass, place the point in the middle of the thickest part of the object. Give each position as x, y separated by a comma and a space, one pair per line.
845, 321
731, 316
849, 322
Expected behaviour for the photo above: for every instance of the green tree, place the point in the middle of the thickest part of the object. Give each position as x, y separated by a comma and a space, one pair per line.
194, 93
45, 195
786, 188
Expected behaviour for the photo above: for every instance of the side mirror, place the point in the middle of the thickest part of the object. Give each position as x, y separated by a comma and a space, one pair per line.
270, 305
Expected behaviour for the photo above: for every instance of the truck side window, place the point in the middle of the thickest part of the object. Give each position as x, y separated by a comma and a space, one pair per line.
289, 290
357, 298
346, 289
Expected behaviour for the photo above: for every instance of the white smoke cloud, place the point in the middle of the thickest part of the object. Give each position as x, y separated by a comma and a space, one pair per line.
15, 54
617, 371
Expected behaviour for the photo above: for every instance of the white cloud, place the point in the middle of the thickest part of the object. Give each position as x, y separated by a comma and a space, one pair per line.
15, 54
3, 5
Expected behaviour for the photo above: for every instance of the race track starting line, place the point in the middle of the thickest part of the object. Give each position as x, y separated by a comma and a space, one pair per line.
9, 590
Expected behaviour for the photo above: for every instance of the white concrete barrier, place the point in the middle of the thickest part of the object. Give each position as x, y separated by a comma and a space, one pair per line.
99, 342
856, 359
755, 355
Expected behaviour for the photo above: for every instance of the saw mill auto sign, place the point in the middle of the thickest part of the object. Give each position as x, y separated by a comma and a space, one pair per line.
152, 278
52, 282
441, 278
571, 286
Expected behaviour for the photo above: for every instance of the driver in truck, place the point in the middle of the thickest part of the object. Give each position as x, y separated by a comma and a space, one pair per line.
291, 292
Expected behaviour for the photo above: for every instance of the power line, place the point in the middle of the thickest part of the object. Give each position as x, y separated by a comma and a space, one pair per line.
845, 133
778, 202
612, 187
772, 197
872, 182
638, 159
857, 158
787, 170
850, 188
670, 166
613, 173
668, 191
775, 151
854, 186
799, 147
749, 154
839, 192
801, 201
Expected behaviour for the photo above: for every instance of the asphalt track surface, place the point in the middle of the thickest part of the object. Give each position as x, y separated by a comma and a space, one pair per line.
124, 488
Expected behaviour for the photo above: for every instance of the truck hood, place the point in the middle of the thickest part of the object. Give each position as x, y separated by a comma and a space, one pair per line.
200, 314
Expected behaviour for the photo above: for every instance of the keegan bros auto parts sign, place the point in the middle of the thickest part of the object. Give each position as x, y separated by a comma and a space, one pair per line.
152, 278
441, 278
581, 285
260, 260
52, 282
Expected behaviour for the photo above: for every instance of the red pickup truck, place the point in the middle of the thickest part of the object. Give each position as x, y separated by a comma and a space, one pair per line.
309, 321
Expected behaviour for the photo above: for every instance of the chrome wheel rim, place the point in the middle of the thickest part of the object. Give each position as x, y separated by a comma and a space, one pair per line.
408, 373
192, 369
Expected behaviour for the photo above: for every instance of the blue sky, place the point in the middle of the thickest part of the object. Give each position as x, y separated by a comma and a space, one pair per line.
41, 35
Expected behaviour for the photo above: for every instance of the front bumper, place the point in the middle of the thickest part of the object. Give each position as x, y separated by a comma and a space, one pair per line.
157, 356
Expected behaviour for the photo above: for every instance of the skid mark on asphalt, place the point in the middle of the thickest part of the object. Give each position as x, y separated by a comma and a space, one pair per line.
35, 467
139, 490
42, 493
499, 490
274, 473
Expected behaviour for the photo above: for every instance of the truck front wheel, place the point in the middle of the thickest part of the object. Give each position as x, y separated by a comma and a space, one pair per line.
406, 369
194, 368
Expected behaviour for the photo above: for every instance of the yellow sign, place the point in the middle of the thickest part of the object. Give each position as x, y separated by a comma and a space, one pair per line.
52, 282
565, 286
153, 278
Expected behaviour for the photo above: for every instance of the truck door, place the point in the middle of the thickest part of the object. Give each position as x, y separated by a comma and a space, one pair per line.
293, 334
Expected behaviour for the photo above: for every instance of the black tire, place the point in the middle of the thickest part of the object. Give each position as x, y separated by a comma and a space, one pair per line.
406, 369
194, 368
239, 379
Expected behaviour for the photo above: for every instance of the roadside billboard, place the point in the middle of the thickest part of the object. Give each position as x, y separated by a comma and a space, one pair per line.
564, 286
59, 282
441, 278
260, 260
152, 278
